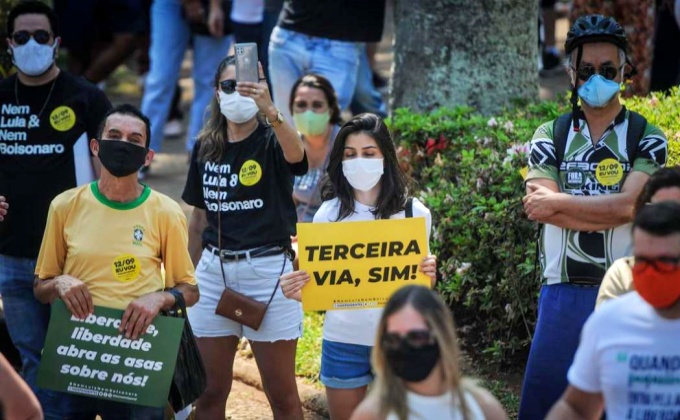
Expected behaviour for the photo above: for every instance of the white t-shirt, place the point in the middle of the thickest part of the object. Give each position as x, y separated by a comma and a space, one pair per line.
632, 356
358, 326
442, 407
247, 11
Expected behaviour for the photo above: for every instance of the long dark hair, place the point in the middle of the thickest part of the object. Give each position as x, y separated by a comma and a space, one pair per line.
394, 184
321, 83
212, 136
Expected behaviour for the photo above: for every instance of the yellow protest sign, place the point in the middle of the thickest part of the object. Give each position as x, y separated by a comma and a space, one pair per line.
358, 265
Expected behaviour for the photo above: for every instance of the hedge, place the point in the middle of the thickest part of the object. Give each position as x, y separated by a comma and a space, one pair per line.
467, 168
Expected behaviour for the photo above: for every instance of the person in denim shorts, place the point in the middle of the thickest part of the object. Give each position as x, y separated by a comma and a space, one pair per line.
353, 192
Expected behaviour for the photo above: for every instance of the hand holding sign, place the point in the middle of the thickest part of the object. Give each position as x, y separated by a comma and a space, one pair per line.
75, 295
140, 313
429, 267
292, 284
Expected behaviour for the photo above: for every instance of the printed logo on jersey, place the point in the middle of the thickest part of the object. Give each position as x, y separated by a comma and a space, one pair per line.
126, 268
250, 173
62, 118
609, 172
575, 178
137, 235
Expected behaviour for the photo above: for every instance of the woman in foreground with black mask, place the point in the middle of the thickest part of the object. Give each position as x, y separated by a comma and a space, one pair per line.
416, 360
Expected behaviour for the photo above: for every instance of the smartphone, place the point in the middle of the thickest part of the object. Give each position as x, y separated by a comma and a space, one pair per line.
246, 62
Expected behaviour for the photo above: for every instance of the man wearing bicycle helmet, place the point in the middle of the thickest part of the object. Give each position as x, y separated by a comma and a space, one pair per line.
586, 169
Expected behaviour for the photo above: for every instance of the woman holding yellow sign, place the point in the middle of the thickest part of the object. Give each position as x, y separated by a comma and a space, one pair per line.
365, 182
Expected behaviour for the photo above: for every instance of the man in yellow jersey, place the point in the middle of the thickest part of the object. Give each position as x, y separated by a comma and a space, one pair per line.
105, 242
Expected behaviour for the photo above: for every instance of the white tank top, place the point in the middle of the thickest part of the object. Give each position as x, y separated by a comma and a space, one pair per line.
442, 407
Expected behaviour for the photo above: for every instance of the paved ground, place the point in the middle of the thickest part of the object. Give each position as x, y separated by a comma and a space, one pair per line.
168, 176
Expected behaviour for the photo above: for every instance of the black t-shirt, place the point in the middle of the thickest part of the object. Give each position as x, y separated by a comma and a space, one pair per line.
255, 192
342, 20
43, 153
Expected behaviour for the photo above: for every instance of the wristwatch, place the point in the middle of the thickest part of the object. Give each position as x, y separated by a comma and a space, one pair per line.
277, 122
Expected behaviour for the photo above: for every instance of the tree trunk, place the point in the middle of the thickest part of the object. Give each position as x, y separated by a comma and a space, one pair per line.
480, 53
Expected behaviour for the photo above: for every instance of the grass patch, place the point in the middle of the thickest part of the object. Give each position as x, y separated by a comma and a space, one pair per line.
308, 357
508, 397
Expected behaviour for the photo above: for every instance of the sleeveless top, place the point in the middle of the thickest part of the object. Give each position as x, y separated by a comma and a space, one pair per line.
441, 407
306, 188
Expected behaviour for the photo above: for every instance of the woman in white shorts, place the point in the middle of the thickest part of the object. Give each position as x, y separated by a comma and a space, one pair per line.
240, 183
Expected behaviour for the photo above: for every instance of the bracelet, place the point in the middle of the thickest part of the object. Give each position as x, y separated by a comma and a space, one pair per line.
176, 294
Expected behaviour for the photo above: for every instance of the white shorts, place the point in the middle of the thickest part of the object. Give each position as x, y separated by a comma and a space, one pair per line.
254, 278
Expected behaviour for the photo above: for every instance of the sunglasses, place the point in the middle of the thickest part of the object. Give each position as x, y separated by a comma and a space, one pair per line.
414, 339
608, 72
661, 264
228, 86
41, 36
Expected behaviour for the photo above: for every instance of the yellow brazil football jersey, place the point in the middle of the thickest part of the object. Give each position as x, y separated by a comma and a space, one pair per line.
115, 248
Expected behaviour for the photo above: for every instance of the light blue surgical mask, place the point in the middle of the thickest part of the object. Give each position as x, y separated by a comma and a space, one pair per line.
598, 91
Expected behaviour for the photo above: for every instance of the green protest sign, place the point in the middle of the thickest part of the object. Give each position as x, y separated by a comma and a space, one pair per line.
89, 357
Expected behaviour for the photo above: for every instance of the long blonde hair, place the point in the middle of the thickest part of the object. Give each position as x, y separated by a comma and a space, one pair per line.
213, 135
389, 388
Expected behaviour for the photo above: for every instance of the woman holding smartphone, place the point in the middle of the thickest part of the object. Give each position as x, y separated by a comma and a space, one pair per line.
364, 183
240, 183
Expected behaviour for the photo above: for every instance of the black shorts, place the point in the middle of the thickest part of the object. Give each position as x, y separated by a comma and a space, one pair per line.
548, 4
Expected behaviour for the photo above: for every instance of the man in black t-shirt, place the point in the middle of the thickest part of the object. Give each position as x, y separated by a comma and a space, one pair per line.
47, 118
323, 37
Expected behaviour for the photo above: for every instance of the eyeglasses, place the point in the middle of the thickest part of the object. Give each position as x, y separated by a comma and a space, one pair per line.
608, 72
41, 36
414, 338
661, 264
228, 86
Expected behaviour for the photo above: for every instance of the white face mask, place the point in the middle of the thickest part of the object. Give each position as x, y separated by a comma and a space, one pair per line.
237, 108
32, 58
363, 173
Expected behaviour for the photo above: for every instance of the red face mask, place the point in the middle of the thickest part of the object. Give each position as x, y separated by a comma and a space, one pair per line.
657, 282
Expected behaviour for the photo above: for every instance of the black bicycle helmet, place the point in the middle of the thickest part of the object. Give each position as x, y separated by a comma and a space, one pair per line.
595, 28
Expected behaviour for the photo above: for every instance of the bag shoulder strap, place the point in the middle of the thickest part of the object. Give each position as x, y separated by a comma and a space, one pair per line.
561, 127
408, 209
637, 124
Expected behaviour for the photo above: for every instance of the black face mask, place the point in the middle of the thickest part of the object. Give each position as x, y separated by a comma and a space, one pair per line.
413, 364
121, 158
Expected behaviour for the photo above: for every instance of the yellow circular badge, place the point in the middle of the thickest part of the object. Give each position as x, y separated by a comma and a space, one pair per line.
62, 118
126, 268
609, 172
250, 173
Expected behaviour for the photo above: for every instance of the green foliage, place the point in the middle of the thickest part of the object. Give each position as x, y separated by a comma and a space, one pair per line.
308, 356
467, 168
664, 112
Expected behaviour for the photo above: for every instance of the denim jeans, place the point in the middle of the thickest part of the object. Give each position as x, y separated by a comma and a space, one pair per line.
27, 321
366, 97
562, 310
170, 36
292, 55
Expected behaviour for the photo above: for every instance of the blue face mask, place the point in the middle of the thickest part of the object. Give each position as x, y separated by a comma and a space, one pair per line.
598, 91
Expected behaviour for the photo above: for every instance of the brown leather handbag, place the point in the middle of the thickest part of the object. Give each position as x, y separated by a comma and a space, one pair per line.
234, 305
241, 308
